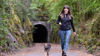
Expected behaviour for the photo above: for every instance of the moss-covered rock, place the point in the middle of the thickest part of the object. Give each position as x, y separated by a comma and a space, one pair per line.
23, 34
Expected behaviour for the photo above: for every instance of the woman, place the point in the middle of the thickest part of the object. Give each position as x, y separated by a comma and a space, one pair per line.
65, 20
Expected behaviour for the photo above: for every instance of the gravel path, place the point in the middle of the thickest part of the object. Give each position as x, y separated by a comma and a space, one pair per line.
38, 50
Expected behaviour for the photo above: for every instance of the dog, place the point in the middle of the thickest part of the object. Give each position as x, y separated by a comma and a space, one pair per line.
47, 48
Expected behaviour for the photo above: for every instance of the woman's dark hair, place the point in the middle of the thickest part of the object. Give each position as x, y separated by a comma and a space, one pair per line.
69, 12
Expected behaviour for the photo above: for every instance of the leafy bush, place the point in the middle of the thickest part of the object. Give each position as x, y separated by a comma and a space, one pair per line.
4, 14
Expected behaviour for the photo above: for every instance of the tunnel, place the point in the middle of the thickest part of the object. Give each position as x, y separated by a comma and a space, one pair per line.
40, 34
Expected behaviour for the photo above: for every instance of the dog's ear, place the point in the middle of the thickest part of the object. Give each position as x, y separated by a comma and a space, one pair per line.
48, 44
45, 44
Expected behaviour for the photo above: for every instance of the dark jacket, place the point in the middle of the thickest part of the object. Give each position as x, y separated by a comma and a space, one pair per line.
66, 23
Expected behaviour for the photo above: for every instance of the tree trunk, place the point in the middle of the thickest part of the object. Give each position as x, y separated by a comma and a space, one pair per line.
80, 14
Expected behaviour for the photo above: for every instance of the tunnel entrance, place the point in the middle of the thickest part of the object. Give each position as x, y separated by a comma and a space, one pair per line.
40, 34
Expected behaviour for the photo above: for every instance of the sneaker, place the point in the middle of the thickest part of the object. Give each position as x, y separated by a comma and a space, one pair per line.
64, 54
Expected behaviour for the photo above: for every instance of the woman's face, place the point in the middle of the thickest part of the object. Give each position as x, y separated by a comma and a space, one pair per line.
65, 10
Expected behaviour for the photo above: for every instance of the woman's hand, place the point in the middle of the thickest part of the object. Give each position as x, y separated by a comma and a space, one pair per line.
60, 23
74, 33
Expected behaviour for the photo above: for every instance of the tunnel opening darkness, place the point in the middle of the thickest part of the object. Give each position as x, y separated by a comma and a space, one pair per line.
40, 34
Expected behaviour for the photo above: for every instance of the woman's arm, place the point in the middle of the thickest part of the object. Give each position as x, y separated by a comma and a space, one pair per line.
72, 24
59, 19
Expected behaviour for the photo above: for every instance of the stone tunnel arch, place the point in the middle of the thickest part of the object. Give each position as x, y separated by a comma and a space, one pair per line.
41, 34
47, 26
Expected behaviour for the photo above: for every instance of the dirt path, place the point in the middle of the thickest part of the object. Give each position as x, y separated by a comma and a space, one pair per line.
38, 50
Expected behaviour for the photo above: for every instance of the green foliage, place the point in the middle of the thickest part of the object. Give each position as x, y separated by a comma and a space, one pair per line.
7, 19
55, 34
90, 36
3, 22
92, 49
96, 28
4, 14
86, 9
25, 9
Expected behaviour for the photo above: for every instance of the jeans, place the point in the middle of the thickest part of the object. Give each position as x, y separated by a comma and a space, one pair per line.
64, 36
